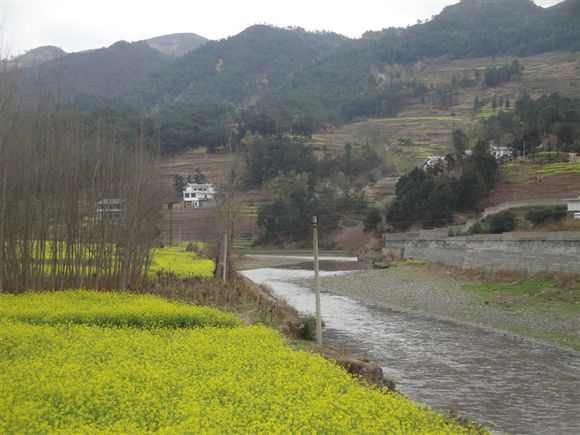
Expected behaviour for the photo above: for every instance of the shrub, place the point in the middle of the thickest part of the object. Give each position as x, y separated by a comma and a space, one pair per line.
538, 217
307, 328
559, 213
476, 229
503, 222
372, 220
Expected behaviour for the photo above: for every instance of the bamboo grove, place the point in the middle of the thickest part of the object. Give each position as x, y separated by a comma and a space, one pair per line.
79, 198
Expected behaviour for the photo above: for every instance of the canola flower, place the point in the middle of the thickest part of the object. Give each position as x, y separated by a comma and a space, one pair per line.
183, 264
109, 309
79, 378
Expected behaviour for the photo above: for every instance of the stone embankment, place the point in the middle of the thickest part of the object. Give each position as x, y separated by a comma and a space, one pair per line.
534, 253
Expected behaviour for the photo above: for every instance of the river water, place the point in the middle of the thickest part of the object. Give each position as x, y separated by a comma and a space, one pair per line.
511, 384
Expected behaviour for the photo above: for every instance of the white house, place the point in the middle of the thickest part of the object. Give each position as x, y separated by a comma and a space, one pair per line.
111, 207
574, 206
199, 195
432, 162
500, 152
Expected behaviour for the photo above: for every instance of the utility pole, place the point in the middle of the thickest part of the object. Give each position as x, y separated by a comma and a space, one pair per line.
229, 228
170, 224
225, 268
317, 281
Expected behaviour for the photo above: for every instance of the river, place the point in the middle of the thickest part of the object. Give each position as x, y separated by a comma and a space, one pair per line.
510, 384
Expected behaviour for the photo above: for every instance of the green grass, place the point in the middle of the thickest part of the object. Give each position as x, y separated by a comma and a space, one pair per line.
511, 289
561, 338
247, 211
243, 242
557, 168
183, 264
520, 171
425, 151
489, 112
109, 309
426, 118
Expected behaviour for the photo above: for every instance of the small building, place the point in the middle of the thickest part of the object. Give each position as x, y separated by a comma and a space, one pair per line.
574, 207
173, 202
501, 152
199, 195
111, 207
433, 162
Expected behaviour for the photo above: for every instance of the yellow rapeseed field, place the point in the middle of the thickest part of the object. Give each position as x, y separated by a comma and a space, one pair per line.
177, 260
79, 378
109, 309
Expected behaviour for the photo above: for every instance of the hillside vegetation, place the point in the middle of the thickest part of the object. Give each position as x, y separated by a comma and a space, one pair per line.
89, 74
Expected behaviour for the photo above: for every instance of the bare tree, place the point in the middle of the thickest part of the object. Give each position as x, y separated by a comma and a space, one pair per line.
78, 205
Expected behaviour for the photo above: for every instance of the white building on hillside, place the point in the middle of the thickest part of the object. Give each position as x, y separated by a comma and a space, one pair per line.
501, 152
574, 206
199, 195
433, 162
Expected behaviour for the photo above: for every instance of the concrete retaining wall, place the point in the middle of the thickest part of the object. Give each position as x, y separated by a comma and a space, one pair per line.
521, 252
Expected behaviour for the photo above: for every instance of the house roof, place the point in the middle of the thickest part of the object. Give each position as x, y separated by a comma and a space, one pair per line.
172, 199
111, 201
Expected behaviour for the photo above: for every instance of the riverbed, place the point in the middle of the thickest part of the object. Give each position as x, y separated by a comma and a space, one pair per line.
511, 384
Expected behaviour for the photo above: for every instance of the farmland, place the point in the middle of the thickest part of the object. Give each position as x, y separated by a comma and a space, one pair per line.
523, 180
423, 128
63, 374
177, 260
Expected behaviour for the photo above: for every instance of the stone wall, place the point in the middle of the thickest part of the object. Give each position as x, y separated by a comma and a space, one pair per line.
521, 252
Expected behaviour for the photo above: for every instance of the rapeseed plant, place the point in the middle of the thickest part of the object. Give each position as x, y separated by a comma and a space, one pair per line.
58, 376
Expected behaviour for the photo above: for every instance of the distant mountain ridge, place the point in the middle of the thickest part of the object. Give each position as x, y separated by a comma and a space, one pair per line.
323, 71
176, 44
102, 72
238, 69
35, 57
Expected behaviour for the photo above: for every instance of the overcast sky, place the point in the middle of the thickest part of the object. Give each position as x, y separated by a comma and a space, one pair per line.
76, 25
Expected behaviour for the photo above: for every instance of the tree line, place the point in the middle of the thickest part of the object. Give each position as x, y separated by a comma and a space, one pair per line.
550, 120
79, 200
431, 197
303, 182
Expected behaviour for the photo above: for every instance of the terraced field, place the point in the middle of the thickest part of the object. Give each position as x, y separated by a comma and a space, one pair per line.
403, 142
426, 128
528, 180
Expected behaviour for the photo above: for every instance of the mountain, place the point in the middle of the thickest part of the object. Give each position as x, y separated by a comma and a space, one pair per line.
236, 70
352, 79
103, 72
35, 57
176, 44
474, 28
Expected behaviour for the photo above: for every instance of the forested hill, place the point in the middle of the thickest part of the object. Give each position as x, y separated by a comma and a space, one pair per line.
102, 72
471, 28
474, 28
235, 70
293, 80
331, 71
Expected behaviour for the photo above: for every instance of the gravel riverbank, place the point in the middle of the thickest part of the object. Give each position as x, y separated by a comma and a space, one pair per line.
435, 290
